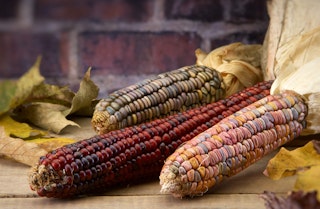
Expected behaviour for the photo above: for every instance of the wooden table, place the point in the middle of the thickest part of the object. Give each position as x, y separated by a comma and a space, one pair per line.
240, 191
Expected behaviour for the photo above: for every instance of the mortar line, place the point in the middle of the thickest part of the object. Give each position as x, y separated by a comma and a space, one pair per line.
25, 13
73, 56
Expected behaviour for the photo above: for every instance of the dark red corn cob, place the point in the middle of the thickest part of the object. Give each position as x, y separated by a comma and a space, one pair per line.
130, 155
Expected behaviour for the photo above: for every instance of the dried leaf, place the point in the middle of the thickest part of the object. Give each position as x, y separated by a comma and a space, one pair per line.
19, 150
14, 94
7, 92
303, 161
20, 130
52, 143
82, 101
287, 163
295, 200
47, 116
49, 105
52, 94
308, 180
316, 145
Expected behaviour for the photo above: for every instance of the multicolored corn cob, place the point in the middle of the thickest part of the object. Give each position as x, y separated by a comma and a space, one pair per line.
233, 144
157, 97
132, 154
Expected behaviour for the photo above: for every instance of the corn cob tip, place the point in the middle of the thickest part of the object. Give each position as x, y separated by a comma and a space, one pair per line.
170, 183
102, 122
43, 177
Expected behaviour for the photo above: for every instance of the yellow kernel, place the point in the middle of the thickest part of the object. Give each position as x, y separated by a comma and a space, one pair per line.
216, 137
188, 153
202, 171
190, 175
200, 187
194, 162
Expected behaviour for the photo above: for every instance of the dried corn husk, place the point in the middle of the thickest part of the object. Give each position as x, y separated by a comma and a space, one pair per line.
238, 64
306, 82
292, 51
296, 53
290, 21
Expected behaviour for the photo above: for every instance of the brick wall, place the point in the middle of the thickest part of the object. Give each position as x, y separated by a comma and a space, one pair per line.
123, 40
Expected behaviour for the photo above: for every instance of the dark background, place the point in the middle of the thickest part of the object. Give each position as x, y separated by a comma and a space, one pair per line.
122, 40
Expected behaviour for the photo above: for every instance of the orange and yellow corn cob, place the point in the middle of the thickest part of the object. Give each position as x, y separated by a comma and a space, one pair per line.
132, 154
233, 144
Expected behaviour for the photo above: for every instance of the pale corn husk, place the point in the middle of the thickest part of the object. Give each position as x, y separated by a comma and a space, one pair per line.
238, 64
296, 53
306, 82
291, 53
289, 19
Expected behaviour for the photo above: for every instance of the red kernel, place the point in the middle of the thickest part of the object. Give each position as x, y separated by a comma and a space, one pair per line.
55, 164
68, 170
74, 167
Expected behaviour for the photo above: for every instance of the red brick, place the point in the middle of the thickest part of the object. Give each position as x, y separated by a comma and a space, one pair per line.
98, 10
132, 53
8, 9
247, 11
202, 10
20, 50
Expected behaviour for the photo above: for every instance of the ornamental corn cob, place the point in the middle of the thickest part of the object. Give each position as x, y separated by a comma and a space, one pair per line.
162, 95
132, 154
233, 144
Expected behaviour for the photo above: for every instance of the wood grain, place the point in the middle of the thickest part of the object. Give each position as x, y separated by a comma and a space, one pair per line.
240, 191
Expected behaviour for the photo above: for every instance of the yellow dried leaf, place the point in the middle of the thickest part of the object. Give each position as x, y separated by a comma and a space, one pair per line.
27, 83
7, 91
17, 129
52, 143
287, 163
19, 150
16, 93
308, 180
303, 161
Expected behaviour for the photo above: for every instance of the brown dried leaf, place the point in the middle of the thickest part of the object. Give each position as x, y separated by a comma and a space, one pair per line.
82, 102
54, 94
50, 111
47, 116
295, 200
19, 150
316, 145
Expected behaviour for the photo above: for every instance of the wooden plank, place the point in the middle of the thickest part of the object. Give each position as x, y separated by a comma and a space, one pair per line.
240, 191
237, 201
13, 179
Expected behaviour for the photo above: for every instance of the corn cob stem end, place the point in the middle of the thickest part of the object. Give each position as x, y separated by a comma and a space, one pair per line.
44, 178
170, 183
102, 122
